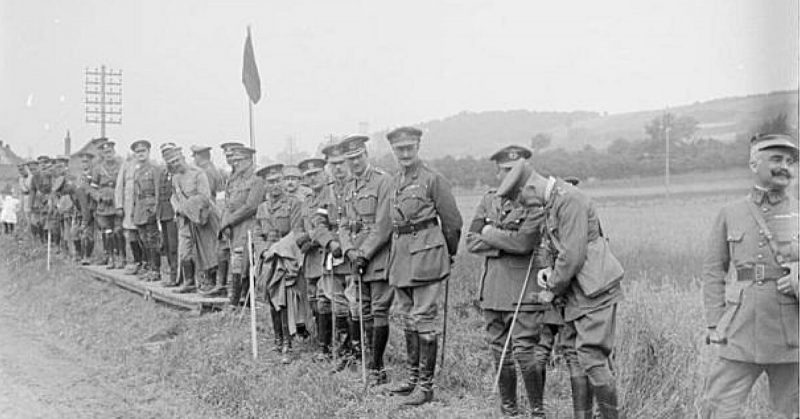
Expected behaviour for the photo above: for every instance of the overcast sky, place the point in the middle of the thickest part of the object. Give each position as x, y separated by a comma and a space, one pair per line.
328, 65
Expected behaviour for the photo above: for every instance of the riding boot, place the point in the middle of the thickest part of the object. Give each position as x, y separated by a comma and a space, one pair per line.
277, 329
412, 365
534, 377
188, 275
380, 337
423, 393
222, 274
507, 385
581, 397
286, 351
607, 401
235, 291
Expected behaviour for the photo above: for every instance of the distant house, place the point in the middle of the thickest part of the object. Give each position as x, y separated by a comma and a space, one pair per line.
8, 168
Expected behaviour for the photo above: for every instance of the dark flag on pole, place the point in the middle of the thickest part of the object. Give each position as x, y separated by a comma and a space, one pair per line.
250, 78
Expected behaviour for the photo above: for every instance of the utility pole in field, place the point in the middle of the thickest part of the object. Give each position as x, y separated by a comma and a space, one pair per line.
103, 104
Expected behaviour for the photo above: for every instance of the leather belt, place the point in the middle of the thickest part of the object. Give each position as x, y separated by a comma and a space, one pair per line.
411, 228
760, 272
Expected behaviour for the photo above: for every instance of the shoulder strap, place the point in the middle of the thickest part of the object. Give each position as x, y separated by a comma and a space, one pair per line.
767, 233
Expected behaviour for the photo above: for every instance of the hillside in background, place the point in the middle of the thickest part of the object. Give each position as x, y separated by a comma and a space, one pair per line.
479, 133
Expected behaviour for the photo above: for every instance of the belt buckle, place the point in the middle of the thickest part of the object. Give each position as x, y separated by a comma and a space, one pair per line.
759, 272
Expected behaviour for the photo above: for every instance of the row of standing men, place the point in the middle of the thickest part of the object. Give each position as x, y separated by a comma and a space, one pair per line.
362, 239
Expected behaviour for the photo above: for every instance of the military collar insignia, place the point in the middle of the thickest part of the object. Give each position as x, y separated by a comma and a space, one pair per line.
760, 195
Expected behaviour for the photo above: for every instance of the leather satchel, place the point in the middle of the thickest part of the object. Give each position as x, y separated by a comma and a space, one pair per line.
601, 271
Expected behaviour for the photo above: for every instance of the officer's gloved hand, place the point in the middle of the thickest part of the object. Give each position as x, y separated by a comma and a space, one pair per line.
335, 249
357, 259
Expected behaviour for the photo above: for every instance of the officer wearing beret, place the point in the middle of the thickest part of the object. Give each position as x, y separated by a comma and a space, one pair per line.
202, 159
244, 191
571, 224
109, 220
750, 287
315, 231
337, 269
280, 214
166, 218
426, 229
146, 180
507, 234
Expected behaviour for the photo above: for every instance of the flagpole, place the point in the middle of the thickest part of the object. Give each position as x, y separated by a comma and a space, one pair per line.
252, 127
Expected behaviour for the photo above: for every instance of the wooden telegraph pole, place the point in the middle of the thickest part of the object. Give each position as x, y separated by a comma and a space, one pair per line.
103, 103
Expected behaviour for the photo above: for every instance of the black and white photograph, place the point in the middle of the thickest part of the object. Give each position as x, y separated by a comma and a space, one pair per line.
402, 210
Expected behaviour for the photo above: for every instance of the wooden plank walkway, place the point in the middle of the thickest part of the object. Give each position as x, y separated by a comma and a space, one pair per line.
155, 292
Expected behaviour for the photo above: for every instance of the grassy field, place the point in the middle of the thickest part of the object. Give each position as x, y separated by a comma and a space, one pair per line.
660, 358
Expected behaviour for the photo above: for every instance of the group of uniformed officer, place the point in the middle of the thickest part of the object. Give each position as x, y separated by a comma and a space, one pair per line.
368, 239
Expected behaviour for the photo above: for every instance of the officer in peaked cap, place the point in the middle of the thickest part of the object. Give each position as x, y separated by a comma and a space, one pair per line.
271, 172
202, 159
426, 223
753, 314
507, 234
244, 191
104, 180
292, 177
144, 207
227, 150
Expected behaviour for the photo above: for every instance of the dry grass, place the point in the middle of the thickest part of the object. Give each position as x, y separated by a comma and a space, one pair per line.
659, 359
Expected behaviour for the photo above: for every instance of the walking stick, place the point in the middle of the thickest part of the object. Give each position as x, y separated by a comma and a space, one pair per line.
48, 249
361, 329
511, 328
252, 272
444, 325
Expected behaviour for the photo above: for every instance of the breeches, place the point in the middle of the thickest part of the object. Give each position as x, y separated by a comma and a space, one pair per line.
376, 300
531, 340
591, 336
419, 307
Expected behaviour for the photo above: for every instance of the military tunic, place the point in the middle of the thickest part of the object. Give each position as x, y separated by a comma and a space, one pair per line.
197, 222
427, 228
743, 303
104, 181
244, 192
335, 270
146, 180
166, 217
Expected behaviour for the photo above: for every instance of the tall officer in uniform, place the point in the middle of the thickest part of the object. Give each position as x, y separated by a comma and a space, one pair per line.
751, 309
146, 182
276, 217
223, 247
366, 243
427, 228
109, 219
244, 191
315, 230
507, 234
166, 219
336, 268
588, 334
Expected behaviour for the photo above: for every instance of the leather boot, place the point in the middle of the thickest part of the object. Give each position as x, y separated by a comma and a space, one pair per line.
188, 275
235, 290
324, 334
534, 377
380, 337
219, 287
119, 261
423, 393
606, 401
507, 385
346, 350
277, 329
286, 351
581, 397
355, 337
412, 365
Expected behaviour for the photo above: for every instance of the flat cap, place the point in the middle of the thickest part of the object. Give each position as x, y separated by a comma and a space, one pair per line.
271, 172
199, 149
333, 152
404, 136
515, 179
140, 143
507, 155
311, 166
766, 141
354, 145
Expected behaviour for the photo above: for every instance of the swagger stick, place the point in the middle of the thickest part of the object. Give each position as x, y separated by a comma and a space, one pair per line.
511, 328
253, 333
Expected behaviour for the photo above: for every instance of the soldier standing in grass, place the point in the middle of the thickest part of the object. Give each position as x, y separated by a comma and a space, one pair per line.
244, 191
571, 226
146, 180
315, 231
197, 222
276, 217
752, 310
507, 234
336, 268
109, 219
366, 242
426, 229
